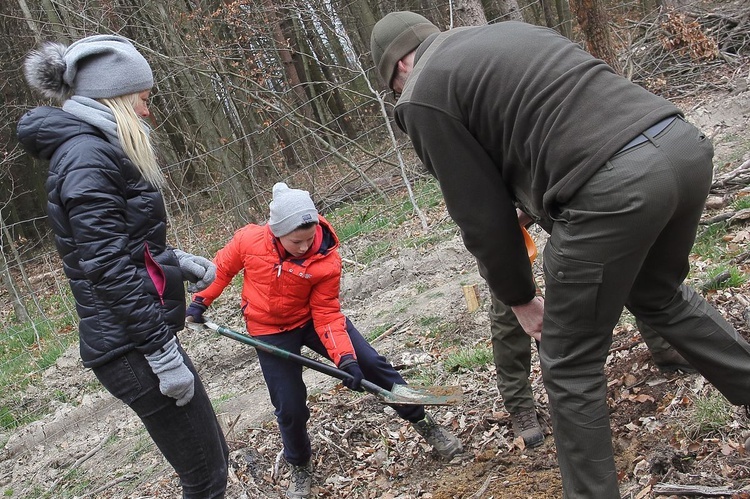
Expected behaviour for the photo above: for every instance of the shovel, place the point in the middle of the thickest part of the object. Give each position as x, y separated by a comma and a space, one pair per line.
399, 394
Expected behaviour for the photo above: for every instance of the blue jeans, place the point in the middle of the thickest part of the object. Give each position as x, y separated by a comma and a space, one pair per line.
189, 437
289, 393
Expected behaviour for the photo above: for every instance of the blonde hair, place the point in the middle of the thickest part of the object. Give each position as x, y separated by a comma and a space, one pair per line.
134, 138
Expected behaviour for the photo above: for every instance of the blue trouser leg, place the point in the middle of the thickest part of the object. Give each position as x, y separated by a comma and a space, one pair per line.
377, 369
289, 394
189, 437
624, 239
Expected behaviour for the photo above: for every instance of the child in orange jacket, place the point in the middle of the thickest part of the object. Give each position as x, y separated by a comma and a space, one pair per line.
290, 297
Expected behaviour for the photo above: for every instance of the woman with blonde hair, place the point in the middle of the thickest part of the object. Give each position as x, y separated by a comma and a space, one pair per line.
109, 220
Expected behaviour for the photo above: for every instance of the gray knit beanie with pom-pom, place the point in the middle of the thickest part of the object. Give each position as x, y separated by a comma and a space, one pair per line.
98, 67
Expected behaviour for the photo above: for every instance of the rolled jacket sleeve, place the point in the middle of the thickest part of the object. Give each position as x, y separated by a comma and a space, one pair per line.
476, 197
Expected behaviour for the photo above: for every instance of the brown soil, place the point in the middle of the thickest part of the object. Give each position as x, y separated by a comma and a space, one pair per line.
92, 446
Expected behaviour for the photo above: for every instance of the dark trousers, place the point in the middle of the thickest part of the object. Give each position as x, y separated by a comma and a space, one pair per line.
289, 393
189, 437
624, 240
511, 350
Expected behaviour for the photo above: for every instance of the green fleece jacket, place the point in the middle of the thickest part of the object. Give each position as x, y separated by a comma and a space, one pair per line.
513, 114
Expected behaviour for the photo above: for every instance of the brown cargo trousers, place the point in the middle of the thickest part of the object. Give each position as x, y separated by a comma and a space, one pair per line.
624, 240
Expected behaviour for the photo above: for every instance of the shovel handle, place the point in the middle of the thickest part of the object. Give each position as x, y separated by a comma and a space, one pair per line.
299, 359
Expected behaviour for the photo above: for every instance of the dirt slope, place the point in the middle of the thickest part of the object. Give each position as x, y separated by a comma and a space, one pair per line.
93, 447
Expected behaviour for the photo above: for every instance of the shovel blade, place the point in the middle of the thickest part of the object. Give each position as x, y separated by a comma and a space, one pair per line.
427, 395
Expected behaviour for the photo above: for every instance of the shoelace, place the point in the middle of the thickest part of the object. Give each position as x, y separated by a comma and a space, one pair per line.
437, 433
300, 474
526, 420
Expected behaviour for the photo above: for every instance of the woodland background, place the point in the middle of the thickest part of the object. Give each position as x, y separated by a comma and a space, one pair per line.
251, 93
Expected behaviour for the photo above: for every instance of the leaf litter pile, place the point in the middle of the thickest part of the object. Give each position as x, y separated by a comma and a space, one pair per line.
673, 434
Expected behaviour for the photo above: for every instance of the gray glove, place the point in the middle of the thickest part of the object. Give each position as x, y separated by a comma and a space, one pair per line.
175, 379
197, 270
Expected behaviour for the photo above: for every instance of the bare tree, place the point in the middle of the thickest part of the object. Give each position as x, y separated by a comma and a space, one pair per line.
468, 13
502, 10
593, 22
549, 17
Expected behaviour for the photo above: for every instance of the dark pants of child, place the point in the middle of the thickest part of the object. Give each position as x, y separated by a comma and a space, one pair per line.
289, 393
189, 436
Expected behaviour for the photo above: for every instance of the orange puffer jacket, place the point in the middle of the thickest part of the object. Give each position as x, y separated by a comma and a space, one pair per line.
282, 294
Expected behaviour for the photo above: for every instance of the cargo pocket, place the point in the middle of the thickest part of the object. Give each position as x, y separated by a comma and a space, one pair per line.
574, 284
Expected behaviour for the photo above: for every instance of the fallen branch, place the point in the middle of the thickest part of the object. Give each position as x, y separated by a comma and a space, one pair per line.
95, 492
740, 258
733, 217
80, 461
231, 426
334, 444
692, 490
716, 281
480, 493
352, 262
629, 346
673, 71
389, 331
736, 179
721, 217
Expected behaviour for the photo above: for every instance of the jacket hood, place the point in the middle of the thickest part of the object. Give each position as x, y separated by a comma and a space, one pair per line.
43, 129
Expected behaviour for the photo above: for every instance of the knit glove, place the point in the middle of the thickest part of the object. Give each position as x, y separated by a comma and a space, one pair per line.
175, 379
349, 364
195, 310
197, 270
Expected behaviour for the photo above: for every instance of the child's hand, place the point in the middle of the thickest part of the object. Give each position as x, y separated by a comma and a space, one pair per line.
194, 312
351, 366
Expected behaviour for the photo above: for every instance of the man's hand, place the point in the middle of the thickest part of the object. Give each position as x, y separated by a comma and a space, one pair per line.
524, 220
530, 316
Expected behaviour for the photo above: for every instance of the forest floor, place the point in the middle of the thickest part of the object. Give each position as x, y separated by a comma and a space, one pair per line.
361, 448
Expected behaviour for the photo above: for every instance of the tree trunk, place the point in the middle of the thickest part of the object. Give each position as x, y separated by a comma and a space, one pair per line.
469, 13
358, 18
563, 14
283, 34
502, 10
531, 11
10, 286
549, 17
593, 23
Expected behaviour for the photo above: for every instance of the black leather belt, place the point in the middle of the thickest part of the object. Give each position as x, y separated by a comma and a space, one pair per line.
648, 134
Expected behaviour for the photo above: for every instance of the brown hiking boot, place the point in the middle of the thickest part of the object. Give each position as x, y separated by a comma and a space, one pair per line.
444, 442
300, 482
670, 360
526, 425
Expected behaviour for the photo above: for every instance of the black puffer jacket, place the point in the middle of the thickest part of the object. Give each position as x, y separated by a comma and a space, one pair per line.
110, 230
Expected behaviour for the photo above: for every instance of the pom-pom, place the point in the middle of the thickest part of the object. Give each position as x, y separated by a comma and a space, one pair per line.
44, 69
